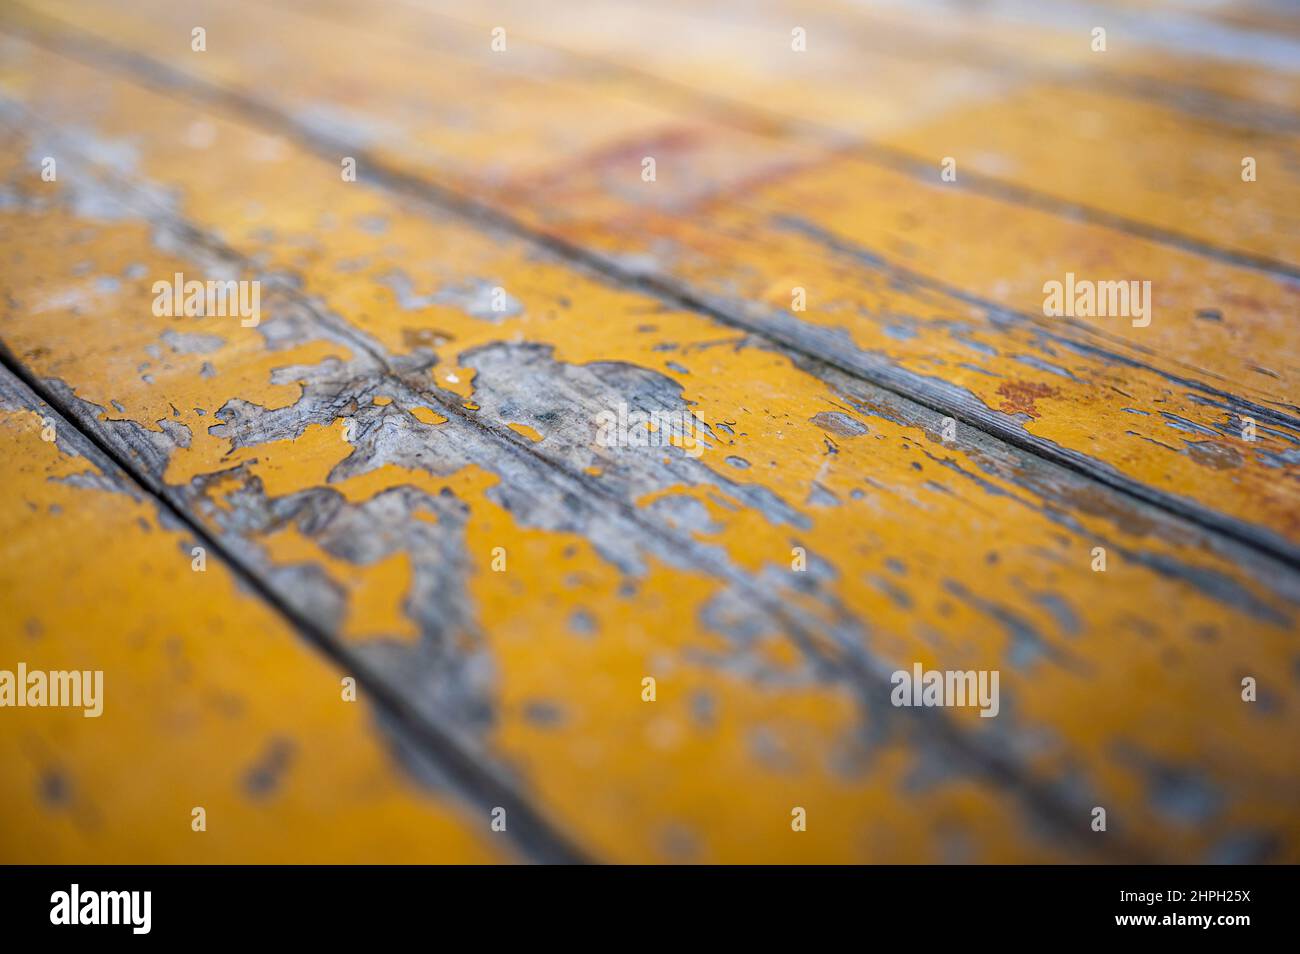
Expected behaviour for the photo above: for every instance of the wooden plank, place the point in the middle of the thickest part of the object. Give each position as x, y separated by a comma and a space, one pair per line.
1121, 688
920, 287
208, 699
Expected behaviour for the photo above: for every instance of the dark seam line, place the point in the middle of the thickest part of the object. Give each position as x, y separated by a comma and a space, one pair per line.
172, 82
528, 829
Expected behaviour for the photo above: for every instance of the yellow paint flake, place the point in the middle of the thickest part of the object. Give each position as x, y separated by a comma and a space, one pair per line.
525, 430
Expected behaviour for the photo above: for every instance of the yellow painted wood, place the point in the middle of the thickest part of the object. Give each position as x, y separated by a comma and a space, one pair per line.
731, 211
785, 738
1121, 688
209, 699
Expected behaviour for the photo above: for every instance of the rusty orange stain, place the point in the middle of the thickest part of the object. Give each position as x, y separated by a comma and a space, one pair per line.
1021, 395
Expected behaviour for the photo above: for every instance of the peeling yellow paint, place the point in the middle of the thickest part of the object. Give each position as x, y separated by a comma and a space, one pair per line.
525, 430
200, 681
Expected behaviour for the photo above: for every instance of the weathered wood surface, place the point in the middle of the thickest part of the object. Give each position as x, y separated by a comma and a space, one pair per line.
212, 700
358, 456
919, 285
